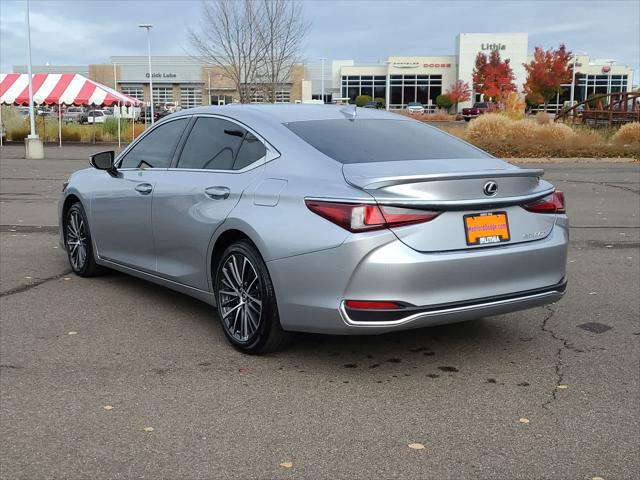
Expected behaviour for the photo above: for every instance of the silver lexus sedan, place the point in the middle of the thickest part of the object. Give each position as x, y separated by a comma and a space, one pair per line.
318, 219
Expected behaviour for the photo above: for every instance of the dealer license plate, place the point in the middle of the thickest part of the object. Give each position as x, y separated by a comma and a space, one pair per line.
486, 228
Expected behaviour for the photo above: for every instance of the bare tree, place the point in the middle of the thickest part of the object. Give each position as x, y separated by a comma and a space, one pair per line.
229, 39
281, 30
254, 43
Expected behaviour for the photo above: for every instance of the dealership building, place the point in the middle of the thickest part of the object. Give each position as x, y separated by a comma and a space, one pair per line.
189, 81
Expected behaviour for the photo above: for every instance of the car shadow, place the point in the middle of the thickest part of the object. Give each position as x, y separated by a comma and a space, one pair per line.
440, 346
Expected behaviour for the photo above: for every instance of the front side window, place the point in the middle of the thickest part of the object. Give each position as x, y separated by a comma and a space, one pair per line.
216, 144
156, 149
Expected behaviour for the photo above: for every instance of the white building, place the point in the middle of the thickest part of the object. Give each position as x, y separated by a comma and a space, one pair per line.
401, 79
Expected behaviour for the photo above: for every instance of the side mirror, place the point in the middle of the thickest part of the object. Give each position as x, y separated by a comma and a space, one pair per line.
104, 161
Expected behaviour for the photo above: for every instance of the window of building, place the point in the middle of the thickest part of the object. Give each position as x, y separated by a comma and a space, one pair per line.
372, 85
190, 97
156, 149
212, 144
134, 92
162, 95
414, 88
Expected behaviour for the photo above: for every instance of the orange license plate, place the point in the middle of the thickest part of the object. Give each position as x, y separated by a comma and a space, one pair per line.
486, 228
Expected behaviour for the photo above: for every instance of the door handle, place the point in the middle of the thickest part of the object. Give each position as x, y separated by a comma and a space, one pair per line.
144, 188
217, 193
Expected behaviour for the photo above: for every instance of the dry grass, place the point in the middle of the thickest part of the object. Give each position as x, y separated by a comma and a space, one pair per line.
490, 127
628, 134
505, 137
429, 117
543, 118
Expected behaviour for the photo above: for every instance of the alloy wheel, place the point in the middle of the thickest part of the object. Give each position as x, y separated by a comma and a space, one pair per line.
76, 240
240, 297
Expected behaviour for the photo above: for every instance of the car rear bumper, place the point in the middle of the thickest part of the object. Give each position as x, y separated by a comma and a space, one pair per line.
440, 287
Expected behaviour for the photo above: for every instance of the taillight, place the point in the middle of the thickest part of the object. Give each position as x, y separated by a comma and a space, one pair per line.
357, 217
553, 203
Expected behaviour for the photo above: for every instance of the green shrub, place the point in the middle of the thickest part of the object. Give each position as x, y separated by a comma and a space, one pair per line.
380, 101
110, 126
361, 100
444, 101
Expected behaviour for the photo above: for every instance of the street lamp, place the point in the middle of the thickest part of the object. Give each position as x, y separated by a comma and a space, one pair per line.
387, 91
148, 27
322, 80
33, 145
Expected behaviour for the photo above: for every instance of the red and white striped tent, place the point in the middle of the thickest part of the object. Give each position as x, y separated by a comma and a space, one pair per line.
60, 89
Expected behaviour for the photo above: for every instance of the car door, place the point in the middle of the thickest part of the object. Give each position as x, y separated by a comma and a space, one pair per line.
219, 161
121, 204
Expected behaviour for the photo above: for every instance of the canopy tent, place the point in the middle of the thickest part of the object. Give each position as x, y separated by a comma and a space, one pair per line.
61, 89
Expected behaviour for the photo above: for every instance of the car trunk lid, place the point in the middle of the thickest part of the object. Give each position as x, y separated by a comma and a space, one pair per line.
458, 189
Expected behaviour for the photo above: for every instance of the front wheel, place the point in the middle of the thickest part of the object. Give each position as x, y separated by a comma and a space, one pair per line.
246, 301
77, 241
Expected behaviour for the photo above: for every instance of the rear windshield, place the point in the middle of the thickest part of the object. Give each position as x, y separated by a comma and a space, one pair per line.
379, 140
480, 105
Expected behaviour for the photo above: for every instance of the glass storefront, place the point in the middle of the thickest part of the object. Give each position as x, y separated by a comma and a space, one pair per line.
136, 92
355, 85
587, 85
423, 89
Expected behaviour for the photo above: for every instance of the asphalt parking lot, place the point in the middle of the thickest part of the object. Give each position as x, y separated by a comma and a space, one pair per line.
549, 393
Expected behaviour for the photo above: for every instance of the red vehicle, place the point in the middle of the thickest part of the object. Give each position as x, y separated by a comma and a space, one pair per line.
478, 109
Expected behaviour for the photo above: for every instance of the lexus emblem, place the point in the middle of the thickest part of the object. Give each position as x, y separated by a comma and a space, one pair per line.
490, 188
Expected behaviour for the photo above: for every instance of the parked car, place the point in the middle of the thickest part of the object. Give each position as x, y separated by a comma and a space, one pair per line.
477, 109
374, 104
74, 114
415, 107
308, 218
95, 116
158, 113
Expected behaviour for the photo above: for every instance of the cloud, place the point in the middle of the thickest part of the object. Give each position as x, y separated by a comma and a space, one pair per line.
79, 33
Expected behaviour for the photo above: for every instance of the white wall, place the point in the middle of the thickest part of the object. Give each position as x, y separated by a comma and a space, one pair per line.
513, 46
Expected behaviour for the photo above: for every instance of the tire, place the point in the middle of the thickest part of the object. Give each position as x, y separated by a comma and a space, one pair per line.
246, 301
77, 233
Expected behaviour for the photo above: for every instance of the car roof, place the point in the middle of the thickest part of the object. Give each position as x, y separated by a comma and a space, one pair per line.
286, 113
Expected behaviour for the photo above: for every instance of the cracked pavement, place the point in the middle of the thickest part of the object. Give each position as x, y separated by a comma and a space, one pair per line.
335, 407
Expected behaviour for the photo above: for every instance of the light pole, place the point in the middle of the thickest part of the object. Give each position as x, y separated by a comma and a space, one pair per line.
33, 145
322, 79
573, 79
148, 27
387, 91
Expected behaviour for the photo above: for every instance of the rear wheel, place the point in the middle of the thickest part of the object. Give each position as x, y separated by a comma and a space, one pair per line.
77, 241
246, 301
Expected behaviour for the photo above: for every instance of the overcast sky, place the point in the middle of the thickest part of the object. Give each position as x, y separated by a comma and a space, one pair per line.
90, 31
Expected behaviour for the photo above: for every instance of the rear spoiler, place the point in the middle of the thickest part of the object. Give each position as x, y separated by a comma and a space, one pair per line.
373, 182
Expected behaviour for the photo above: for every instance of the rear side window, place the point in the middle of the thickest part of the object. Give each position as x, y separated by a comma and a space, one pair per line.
250, 151
156, 149
216, 144
381, 140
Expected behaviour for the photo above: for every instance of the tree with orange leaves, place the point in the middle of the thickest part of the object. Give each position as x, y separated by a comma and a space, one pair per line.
546, 73
493, 77
459, 92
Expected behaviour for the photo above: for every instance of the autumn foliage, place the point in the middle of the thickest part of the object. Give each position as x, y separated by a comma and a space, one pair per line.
546, 73
459, 92
493, 77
